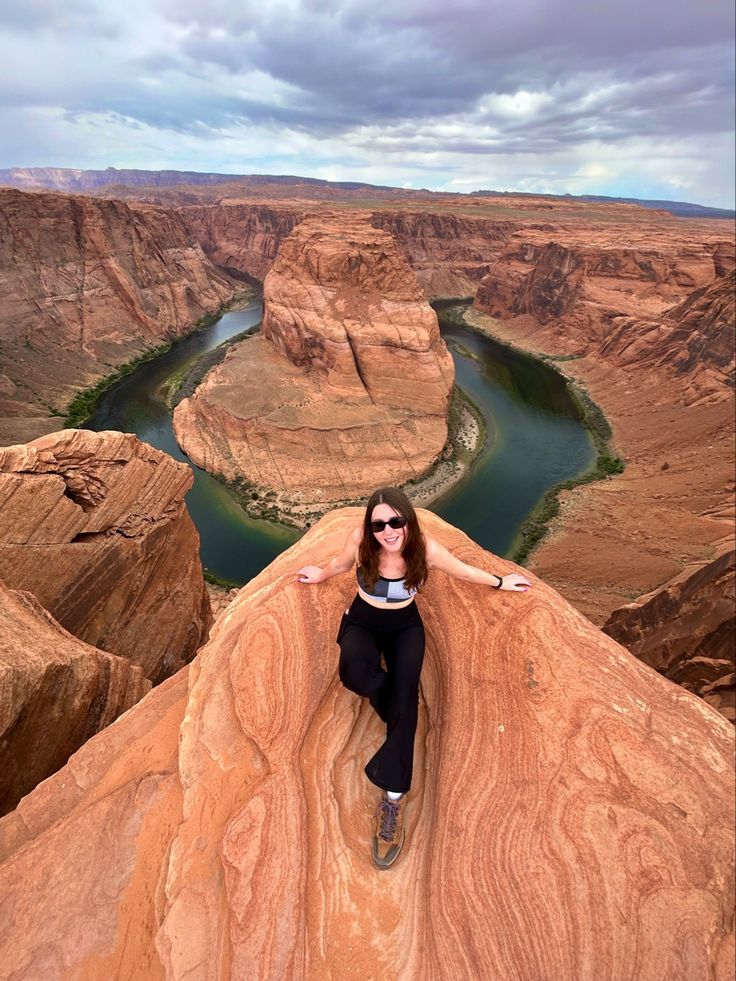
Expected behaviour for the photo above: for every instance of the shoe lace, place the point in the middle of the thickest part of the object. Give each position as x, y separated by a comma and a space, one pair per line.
389, 811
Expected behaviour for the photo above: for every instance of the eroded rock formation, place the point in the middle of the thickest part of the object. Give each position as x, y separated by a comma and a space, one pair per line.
243, 236
448, 253
694, 339
687, 631
55, 692
86, 285
663, 300
644, 327
95, 526
348, 386
572, 813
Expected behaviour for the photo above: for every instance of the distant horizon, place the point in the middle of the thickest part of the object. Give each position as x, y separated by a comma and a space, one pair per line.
628, 100
394, 187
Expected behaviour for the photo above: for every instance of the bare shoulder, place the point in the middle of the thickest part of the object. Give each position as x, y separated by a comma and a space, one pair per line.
356, 535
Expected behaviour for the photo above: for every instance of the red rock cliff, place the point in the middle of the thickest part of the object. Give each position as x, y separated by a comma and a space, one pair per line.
55, 693
686, 630
448, 253
243, 236
86, 285
572, 815
95, 526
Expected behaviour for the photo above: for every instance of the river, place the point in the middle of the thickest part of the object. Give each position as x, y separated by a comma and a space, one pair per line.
537, 440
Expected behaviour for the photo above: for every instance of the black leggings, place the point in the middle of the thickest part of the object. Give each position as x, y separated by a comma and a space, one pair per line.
365, 633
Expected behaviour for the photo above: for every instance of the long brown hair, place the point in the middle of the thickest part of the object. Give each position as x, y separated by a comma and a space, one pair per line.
414, 552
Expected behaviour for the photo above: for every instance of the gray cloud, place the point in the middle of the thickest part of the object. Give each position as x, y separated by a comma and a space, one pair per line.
425, 78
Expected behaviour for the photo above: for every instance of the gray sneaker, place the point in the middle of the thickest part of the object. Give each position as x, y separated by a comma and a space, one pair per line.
388, 837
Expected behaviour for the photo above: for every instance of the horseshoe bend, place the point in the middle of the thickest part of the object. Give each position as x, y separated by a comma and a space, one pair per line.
572, 809
218, 828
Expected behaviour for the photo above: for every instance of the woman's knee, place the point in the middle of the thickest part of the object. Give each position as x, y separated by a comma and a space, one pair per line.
358, 673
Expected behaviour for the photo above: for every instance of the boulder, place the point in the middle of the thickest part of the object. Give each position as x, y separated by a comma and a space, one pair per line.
571, 816
95, 526
55, 692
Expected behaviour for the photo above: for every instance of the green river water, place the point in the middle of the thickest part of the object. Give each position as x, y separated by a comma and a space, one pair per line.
537, 440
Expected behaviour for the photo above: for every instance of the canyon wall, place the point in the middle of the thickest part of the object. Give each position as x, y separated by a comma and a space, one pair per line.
571, 816
647, 330
55, 693
348, 386
94, 525
694, 340
580, 281
686, 630
449, 254
241, 236
86, 285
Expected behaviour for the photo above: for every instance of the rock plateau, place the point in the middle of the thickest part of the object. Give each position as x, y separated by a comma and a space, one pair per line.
348, 386
572, 813
94, 525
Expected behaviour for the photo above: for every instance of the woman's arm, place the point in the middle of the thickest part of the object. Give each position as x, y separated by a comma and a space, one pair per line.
438, 557
343, 562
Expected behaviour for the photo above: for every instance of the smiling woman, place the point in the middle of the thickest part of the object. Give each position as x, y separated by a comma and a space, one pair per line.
394, 559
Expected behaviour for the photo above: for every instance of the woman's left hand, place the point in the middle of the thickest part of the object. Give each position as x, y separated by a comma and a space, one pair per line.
516, 583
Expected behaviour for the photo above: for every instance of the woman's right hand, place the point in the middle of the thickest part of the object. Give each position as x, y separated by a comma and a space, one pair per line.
309, 574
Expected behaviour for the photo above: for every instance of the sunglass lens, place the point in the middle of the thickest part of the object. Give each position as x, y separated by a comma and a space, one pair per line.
378, 526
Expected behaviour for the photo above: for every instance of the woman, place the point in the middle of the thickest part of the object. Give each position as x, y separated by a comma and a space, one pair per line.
393, 560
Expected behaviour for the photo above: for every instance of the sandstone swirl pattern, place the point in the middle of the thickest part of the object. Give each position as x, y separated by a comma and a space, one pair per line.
572, 814
95, 526
348, 386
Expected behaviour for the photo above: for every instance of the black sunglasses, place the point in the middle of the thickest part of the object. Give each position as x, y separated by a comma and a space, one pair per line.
398, 522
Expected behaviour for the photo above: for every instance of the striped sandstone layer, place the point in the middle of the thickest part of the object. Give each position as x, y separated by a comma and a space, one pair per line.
47, 675
572, 814
348, 386
648, 330
687, 631
86, 285
95, 526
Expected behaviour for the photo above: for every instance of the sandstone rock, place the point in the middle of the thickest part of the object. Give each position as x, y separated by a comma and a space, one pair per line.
572, 814
241, 236
695, 339
580, 285
449, 253
86, 285
645, 331
347, 388
55, 692
687, 631
95, 526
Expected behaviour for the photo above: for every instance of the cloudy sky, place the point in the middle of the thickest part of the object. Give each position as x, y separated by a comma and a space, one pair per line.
583, 96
